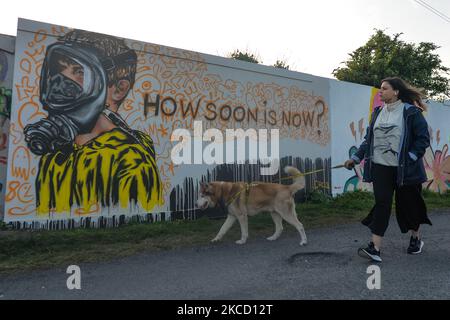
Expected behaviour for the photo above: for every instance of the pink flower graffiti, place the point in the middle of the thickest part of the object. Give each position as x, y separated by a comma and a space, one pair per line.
437, 167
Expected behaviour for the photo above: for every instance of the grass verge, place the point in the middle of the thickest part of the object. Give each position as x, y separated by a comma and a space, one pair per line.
26, 250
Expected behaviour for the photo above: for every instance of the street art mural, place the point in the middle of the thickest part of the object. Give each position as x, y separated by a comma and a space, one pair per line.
89, 155
356, 182
95, 120
6, 78
350, 108
93, 116
375, 101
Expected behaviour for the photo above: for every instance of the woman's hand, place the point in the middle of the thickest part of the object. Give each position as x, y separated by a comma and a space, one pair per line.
349, 164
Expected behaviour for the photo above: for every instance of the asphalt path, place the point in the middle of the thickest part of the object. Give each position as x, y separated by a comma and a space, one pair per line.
326, 268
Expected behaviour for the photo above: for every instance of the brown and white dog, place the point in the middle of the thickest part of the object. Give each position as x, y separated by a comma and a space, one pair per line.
245, 202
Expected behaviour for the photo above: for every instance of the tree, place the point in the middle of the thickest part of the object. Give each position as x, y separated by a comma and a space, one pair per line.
385, 56
281, 64
244, 56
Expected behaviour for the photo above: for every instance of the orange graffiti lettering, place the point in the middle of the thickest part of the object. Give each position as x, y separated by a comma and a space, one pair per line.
40, 35
25, 65
16, 134
12, 190
21, 163
24, 193
24, 90
171, 168
58, 30
36, 53
20, 191
29, 111
95, 208
22, 211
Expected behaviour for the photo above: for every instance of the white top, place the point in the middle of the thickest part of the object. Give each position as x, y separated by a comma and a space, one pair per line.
387, 134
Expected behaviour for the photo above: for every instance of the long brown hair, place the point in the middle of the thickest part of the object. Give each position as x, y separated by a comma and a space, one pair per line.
406, 92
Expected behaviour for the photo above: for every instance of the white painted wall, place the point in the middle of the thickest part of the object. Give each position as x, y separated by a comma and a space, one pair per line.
6, 80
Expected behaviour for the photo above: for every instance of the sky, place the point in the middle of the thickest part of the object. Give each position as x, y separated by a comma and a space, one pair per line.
313, 37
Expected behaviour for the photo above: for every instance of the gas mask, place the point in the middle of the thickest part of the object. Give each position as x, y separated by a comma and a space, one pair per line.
73, 89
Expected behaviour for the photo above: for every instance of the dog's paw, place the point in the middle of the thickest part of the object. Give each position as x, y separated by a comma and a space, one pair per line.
215, 240
303, 243
241, 241
272, 238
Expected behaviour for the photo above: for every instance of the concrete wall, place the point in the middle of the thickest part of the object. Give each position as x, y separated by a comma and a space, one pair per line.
350, 106
6, 79
173, 89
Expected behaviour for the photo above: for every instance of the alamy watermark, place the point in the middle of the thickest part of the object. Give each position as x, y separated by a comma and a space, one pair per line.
221, 149
74, 281
374, 281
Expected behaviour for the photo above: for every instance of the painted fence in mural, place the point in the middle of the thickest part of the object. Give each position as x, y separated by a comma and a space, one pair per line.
72, 162
6, 79
351, 106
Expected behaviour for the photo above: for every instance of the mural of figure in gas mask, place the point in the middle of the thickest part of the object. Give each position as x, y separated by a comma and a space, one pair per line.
90, 157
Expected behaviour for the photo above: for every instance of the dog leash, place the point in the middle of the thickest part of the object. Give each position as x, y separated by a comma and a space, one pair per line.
247, 186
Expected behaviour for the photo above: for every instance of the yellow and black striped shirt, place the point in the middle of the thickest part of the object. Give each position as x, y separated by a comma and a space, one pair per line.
110, 170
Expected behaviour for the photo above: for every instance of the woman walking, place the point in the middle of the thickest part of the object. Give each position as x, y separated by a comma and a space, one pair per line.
393, 147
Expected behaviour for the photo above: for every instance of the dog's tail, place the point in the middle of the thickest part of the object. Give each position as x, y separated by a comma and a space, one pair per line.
299, 180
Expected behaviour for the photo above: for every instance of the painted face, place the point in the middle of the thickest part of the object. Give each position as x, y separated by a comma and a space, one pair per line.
72, 70
206, 197
387, 92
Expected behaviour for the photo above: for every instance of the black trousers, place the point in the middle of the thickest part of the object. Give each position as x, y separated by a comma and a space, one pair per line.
410, 207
